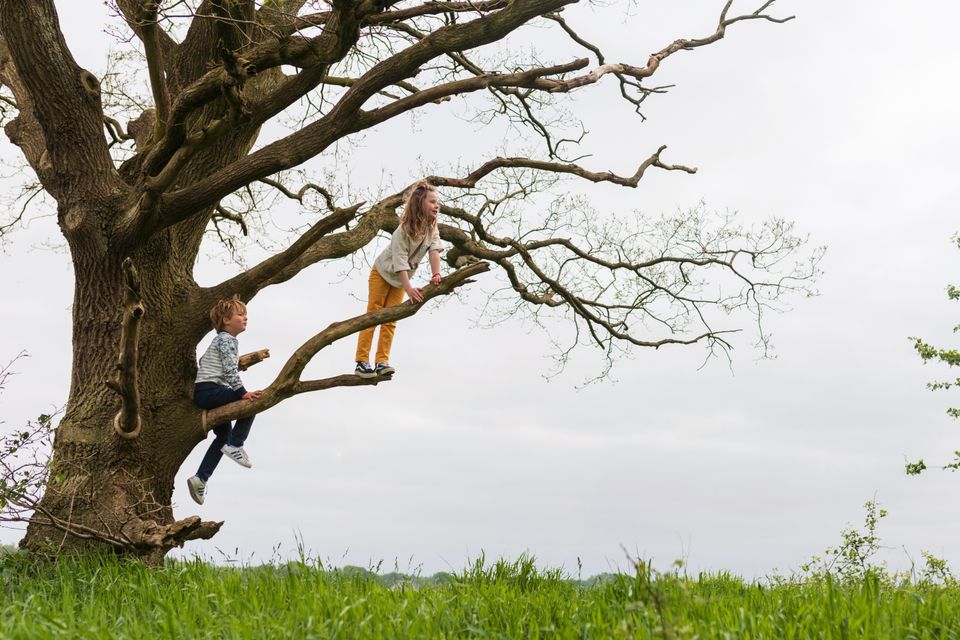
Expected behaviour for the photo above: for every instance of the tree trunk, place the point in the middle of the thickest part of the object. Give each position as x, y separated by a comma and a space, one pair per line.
106, 490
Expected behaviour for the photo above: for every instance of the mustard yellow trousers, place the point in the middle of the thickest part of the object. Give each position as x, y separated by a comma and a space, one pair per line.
381, 295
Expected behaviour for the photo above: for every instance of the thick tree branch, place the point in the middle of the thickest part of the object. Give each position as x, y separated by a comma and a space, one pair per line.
533, 78
280, 14
305, 143
312, 54
341, 121
319, 19
150, 34
335, 81
288, 383
24, 130
234, 19
127, 422
65, 98
338, 245
247, 284
344, 380
201, 35
132, 12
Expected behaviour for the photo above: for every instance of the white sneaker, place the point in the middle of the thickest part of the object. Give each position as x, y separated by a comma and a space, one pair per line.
237, 454
198, 489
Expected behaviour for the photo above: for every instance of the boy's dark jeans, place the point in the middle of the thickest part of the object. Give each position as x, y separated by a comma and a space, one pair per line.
210, 395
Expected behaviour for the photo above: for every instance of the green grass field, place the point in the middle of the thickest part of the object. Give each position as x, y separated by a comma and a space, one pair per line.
109, 598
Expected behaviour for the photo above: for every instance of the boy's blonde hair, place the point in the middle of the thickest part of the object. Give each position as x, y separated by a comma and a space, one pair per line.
225, 309
414, 220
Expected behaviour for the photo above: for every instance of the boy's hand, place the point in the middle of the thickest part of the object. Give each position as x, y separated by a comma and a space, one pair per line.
415, 295
436, 278
252, 395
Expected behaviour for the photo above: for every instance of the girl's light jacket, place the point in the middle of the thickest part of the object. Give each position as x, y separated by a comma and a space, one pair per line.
404, 254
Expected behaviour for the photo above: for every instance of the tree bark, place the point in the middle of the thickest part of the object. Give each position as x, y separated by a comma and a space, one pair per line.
120, 487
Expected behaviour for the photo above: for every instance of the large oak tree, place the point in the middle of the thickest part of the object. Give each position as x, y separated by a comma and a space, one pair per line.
134, 204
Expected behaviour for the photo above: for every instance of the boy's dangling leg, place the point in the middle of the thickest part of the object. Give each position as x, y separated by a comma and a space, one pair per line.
241, 430
234, 448
212, 458
208, 395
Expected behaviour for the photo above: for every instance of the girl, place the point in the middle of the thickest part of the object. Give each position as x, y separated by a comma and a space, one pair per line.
416, 237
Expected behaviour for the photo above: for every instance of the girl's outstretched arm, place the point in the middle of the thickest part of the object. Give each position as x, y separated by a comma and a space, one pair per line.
435, 266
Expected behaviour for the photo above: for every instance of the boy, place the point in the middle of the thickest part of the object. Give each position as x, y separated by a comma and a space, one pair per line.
218, 383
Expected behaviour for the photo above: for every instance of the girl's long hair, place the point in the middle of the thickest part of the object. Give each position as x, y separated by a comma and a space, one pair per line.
415, 220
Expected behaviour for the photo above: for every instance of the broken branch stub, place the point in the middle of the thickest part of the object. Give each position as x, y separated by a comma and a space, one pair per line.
247, 360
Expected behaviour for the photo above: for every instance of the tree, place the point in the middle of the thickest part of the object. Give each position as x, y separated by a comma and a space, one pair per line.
135, 204
949, 357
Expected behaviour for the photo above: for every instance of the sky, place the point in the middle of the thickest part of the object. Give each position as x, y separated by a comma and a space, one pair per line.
842, 120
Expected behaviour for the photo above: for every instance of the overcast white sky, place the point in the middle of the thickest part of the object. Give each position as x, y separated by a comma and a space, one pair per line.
843, 120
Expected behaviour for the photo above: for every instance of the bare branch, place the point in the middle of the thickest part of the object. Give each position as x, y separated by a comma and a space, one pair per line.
298, 196
246, 284
471, 180
335, 81
609, 284
338, 245
434, 8
653, 63
225, 214
533, 78
115, 129
556, 17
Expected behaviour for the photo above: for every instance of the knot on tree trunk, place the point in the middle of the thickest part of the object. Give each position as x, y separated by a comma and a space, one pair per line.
91, 85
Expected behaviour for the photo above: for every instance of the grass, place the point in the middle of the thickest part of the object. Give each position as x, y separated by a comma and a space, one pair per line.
101, 597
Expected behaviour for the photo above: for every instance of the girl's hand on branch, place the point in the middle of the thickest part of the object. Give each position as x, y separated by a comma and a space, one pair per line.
415, 295
436, 278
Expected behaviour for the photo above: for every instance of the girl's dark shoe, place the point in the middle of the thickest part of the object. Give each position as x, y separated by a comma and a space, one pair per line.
364, 370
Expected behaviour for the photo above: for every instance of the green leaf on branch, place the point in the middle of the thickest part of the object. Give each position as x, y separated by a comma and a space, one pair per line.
915, 468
